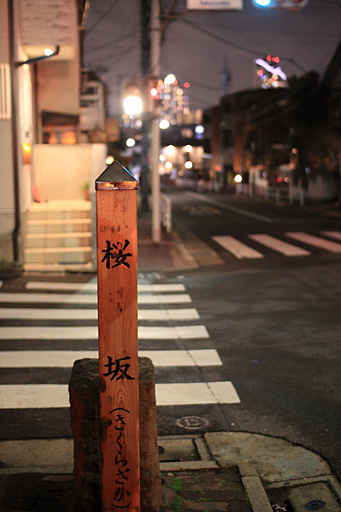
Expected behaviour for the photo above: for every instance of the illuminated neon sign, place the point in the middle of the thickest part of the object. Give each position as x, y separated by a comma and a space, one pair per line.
271, 69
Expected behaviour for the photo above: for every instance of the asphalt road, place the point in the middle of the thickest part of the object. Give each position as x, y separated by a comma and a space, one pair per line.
275, 320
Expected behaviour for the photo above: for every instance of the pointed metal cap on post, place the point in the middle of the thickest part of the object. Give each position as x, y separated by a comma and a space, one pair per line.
116, 177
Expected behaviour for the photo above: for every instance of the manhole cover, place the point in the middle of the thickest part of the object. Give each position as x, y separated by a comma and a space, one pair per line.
192, 422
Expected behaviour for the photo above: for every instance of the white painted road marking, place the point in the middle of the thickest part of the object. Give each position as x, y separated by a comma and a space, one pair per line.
279, 246
230, 208
79, 298
47, 314
238, 249
92, 286
333, 234
66, 358
168, 314
91, 333
196, 393
315, 241
91, 314
34, 396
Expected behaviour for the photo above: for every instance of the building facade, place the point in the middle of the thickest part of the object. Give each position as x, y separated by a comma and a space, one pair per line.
40, 108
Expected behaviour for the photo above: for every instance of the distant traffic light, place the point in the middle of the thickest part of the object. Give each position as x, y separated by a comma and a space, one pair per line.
285, 5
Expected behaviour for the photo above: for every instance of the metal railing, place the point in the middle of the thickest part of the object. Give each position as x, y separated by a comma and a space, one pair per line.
166, 213
277, 193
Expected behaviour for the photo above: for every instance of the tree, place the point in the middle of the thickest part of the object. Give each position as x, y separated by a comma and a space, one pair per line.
307, 118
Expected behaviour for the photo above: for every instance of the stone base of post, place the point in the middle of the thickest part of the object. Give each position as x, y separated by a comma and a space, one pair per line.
150, 481
84, 401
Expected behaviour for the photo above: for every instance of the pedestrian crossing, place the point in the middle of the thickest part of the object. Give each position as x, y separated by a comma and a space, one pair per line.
327, 241
167, 319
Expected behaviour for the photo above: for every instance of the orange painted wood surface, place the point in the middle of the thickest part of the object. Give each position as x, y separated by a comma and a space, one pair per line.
118, 350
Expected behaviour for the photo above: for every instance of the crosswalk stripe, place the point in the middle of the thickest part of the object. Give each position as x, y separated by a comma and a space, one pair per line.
333, 234
168, 314
33, 396
80, 298
278, 245
196, 393
66, 358
91, 314
315, 241
238, 249
92, 286
47, 314
91, 333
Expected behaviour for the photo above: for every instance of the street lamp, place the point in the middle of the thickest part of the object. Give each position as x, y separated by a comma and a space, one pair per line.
170, 79
132, 105
130, 142
164, 124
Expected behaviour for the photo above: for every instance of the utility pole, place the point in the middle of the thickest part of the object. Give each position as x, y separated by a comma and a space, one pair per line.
145, 66
155, 129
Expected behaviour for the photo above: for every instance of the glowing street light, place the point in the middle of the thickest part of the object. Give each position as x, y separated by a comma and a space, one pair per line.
170, 79
132, 105
188, 164
170, 150
109, 160
130, 142
164, 124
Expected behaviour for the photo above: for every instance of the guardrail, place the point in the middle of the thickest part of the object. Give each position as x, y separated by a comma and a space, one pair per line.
166, 213
277, 193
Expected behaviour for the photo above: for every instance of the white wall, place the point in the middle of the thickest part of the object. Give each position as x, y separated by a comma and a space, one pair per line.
60, 170
55, 78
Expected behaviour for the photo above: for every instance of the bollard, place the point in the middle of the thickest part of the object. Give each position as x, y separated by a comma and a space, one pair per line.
117, 326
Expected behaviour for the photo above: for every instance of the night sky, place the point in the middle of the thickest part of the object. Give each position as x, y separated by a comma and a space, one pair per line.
199, 46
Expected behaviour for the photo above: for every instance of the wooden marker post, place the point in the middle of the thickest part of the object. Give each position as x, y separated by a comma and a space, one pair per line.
117, 320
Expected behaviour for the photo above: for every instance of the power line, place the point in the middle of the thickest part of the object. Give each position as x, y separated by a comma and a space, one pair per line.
237, 46
106, 45
101, 17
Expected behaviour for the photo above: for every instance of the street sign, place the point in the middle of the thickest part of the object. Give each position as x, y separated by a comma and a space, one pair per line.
117, 343
214, 5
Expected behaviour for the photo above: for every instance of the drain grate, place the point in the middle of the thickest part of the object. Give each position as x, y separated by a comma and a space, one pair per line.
304, 498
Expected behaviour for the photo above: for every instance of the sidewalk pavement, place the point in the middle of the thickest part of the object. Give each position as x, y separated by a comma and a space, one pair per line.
174, 253
217, 471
